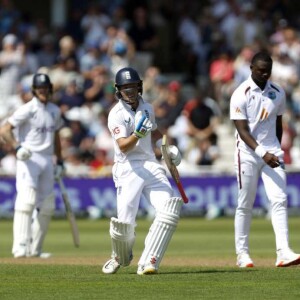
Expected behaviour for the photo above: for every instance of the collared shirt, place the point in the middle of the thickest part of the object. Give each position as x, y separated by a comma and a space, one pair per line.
121, 124
35, 124
260, 109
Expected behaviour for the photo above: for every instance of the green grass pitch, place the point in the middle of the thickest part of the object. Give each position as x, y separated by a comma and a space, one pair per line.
199, 264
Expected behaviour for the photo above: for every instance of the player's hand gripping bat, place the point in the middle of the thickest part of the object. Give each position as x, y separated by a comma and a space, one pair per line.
172, 168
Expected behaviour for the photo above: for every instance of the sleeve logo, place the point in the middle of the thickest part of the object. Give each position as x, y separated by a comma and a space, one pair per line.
116, 130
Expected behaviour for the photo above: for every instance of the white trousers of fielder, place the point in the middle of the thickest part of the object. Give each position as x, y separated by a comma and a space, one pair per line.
249, 169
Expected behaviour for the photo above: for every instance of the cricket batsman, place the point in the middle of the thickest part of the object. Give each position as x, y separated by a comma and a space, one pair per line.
136, 174
33, 131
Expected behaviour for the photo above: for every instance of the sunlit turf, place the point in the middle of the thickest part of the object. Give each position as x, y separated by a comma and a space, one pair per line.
199, 264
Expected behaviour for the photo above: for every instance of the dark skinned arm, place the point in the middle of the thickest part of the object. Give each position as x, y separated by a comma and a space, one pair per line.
244, 132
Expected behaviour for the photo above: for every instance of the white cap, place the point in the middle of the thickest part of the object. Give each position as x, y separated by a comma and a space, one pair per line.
9, 39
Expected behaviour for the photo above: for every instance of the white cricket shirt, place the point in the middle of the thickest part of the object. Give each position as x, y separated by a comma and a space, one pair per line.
36, 124
121, 124
260, 108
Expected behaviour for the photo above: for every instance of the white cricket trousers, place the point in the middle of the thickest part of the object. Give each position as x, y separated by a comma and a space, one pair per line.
249, 168
136, 179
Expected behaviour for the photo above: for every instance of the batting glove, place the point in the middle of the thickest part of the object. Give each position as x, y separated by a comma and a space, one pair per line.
142, 125
175, 155
22, 153
59, 170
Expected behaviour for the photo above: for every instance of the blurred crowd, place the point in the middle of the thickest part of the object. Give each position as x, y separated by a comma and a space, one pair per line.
191, 55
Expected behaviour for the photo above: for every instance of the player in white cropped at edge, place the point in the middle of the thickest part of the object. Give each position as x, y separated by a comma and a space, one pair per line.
136, 174
256, 108
33, 131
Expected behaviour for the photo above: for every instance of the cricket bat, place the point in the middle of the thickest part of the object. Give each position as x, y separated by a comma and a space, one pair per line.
172, 168
69, 213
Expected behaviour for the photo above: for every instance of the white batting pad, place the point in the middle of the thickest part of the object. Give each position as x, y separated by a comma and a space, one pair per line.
161, 232
40, 223
123, 237
24, 206
21, 232
26, 199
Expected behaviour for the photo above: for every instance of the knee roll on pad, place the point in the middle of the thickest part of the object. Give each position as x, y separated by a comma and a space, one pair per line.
161, 232
26, 199
123, 237
170, 212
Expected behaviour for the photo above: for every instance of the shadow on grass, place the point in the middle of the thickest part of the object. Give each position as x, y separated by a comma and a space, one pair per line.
173, 272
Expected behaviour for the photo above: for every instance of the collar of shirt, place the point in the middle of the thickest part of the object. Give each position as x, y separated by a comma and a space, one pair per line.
37, 102
254, 86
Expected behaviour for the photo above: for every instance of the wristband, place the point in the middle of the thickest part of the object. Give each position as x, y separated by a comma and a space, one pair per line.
18, 147
138, 137
260, 151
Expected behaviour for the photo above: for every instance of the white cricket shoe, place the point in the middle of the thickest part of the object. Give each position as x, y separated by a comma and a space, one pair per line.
286, 258
146, 270
20, 254
111, 266
244, 261
43, 255
21, 251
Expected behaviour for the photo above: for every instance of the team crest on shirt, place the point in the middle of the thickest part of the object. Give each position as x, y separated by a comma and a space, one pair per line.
272, 95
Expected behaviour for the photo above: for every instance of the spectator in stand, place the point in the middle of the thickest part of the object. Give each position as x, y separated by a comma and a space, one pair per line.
241, 64
155, 86
30, 63
12, 59
79, 132
62, 72
47, 53
277, 37
94, 85
248, 28
120, 48
150, 83
201, 128
23, 95
8, 16
108, 100
65, 135
168, 110
189, 40
74, 165
144, 37
120, 19
221, 74
284, 71
94, 23
94, 57
100, 165
72, 95
291, 45
68, 51
228, 20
